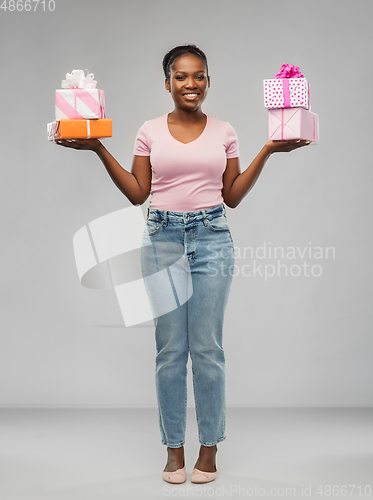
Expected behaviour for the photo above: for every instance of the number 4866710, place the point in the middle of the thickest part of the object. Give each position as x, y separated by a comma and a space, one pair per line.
27, 5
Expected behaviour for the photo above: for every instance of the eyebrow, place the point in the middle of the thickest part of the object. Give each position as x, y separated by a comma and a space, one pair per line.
199, 71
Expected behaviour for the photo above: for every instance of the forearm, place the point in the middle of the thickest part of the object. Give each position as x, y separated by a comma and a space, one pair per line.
246, 180
125, 181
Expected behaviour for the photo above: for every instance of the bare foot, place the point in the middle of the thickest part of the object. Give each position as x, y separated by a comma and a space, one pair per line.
206, 460
175, 459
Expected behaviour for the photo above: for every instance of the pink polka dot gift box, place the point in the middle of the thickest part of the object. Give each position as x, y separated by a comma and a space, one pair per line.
288, 89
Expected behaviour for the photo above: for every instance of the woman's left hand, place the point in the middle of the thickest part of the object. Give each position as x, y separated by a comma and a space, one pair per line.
285, 146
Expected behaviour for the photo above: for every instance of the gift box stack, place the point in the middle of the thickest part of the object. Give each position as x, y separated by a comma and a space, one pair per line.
80, 109
287, 99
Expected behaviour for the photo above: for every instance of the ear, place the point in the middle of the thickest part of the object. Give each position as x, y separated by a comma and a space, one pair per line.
208, 79
167, 85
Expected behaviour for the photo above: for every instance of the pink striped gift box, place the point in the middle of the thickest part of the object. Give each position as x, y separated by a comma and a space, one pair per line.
87, 104
293, 123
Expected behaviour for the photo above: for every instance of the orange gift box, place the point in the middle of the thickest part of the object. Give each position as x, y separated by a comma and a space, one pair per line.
79, 129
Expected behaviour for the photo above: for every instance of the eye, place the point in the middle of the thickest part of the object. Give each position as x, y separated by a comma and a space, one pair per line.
201, 77
178, 77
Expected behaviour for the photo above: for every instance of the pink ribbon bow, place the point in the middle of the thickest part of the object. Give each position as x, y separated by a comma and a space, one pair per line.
289, 71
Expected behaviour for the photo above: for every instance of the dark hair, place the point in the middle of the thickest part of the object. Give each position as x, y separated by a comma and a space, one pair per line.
182, 50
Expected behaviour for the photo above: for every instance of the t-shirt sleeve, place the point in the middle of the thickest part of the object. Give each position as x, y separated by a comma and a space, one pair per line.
232, 149
142, 147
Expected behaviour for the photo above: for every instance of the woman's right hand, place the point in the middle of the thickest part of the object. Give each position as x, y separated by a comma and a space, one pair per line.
87, 144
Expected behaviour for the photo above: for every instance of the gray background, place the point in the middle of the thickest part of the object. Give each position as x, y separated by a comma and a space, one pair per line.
288, 341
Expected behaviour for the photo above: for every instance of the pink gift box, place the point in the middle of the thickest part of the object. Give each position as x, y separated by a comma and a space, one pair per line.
87, 104
286, 93
293, 123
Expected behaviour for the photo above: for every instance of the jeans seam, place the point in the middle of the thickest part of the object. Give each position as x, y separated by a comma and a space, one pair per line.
194, 385
214, 442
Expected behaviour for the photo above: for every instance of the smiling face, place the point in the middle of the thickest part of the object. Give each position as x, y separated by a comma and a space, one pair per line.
188, 82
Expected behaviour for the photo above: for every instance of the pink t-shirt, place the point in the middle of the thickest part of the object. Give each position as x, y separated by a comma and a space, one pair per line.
186, 177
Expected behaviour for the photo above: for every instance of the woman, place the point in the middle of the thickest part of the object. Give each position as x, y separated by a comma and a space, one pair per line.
189, 163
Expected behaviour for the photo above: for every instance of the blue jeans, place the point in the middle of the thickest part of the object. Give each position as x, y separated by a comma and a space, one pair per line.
196, 325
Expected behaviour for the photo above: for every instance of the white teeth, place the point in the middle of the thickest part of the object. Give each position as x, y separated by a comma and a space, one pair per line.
190, 95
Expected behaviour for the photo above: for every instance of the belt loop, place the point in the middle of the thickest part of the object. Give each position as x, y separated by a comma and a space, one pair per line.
204, 217
164, 223
224, 209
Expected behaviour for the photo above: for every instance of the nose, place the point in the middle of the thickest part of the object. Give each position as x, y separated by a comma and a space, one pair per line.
190, 83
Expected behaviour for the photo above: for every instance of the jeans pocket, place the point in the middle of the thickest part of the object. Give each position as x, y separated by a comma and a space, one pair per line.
219, 223
153, 226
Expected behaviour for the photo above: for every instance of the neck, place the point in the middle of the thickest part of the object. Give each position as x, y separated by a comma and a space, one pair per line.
184, 116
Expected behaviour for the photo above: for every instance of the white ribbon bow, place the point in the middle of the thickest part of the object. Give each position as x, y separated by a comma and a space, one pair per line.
78, 80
